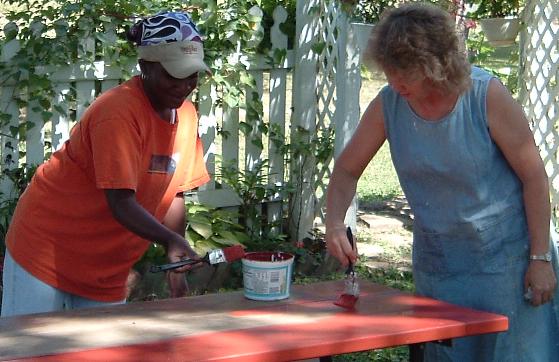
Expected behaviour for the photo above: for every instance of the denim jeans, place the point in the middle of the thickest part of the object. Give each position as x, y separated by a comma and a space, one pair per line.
24, 294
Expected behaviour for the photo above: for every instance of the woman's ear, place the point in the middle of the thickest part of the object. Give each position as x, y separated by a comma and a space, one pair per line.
142, 65
146, 68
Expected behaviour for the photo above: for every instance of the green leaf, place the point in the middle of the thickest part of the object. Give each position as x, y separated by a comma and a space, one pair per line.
205, 230
231, 100
27, 125
229, 238
46, 116
44, 102
245, 127
200, 217
258, 143
247, 79
318, 48
279, 55
202, 246
5, 117
14, 131
61, 110
193, 236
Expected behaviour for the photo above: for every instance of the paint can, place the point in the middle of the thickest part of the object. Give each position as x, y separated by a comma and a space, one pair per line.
267, 275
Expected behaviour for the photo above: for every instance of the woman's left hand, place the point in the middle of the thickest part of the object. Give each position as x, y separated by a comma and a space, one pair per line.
540, 278
178, 287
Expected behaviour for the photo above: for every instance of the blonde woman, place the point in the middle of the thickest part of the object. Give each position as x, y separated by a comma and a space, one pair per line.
472, 174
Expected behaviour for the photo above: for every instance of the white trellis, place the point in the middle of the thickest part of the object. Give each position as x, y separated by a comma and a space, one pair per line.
331, 81
539, 88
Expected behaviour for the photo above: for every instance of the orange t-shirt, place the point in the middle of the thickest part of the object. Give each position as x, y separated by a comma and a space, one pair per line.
63, 231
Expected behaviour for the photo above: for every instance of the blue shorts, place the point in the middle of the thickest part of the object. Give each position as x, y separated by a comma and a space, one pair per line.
24, 294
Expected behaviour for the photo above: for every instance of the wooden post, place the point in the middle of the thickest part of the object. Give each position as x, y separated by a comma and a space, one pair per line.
9, 150
278, 89
60, 120
253, 139
351, 43
207, 126
304, 116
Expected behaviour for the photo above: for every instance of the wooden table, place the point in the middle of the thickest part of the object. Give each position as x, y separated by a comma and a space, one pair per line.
228, 327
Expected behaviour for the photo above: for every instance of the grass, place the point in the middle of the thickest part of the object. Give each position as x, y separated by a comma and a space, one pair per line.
379, 181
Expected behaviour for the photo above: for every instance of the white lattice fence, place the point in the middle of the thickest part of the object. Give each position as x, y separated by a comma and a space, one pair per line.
330, 24
327, 75
539, 88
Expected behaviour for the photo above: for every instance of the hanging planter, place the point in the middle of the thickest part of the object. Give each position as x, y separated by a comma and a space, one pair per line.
500, 31
499, 19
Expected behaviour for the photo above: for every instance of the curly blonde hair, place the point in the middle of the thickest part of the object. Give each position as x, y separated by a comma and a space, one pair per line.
420, 38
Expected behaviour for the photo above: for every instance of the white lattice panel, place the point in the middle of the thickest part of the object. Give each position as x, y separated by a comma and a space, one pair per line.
329, 23
539, 89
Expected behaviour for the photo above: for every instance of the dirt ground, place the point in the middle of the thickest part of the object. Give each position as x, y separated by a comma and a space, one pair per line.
384, 234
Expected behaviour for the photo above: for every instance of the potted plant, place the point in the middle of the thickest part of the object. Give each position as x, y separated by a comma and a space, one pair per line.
499, 19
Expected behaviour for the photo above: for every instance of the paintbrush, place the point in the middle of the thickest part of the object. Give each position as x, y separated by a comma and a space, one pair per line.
216, 256
351, 287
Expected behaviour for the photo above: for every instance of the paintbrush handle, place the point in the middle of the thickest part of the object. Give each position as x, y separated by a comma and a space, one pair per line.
350, 239
170, 266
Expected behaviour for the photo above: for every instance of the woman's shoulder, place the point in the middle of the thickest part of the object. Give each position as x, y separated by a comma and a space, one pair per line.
125, 98
124, 103
480, 74
481, 79
130, 91
387, 93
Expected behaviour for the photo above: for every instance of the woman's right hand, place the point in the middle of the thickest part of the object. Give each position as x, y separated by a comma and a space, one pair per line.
338, 245
178, 249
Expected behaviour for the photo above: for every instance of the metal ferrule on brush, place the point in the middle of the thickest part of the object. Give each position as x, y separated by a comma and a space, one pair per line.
216, 256
351, 285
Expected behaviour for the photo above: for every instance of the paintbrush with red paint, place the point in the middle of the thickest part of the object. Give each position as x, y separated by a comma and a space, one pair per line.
351, 287
216, 256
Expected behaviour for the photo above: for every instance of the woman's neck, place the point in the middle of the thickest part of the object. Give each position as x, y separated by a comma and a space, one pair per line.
435, 105
165, 113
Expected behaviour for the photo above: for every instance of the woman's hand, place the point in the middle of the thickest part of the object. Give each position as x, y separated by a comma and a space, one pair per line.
178, 249
338, 246
178, 287
541, 280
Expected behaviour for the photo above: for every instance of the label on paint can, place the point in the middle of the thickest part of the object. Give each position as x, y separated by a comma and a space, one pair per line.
266, 277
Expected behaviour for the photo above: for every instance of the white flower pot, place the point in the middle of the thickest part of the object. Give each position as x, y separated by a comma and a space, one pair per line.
500, 31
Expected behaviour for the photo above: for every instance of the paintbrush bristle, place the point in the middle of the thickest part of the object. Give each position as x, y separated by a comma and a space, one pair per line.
351, 286
233, 253
346, 301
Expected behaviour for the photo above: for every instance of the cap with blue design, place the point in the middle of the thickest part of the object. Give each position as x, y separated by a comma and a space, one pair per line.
172, 39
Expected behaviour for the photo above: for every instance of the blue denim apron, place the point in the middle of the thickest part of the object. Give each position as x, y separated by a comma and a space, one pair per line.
470, 239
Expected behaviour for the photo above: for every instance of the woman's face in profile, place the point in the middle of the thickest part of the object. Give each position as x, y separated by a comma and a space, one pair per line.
409, 85
165, 90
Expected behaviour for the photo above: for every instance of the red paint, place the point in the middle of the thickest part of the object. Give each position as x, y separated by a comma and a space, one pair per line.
268, 256
346, 301
233, 253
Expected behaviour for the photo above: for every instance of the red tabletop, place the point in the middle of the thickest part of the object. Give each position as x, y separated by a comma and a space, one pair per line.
229, 327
